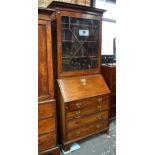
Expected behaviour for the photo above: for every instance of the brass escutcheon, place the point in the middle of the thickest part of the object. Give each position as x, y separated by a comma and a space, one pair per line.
78, 105
100, 100
99, 117
83, 81
77, 113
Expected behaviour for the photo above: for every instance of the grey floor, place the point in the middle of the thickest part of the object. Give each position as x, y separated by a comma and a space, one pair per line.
101, 144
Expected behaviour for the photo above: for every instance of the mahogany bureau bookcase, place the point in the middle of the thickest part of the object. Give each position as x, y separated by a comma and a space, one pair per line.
81, 92
109, 74
47, 130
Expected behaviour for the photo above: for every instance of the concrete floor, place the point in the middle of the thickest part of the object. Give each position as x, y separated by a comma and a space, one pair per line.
101, 144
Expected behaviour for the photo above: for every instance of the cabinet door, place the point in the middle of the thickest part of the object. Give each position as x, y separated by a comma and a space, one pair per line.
80, 38
45, 71
79, 43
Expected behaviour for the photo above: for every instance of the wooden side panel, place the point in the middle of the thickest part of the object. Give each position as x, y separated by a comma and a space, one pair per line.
113, 100
107, 74
61, 117
114, 80
45, 71
42, 55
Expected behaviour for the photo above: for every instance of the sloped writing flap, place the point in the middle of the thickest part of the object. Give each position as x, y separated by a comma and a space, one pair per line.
75, 88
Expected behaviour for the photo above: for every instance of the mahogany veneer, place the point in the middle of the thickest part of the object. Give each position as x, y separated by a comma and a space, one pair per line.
47, 126
83, 109
109, 74
81, 92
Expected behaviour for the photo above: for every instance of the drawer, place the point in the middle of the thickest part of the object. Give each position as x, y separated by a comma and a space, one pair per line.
76, 105
87, 111
46, 125
87, 130
75, 123
46, 141
46, 109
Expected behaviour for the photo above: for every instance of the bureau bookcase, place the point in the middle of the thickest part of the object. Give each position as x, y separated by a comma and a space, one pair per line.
81, 92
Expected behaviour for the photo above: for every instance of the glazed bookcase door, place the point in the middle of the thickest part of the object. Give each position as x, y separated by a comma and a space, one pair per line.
80, 44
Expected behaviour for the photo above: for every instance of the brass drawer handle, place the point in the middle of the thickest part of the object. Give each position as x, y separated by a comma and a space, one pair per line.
77, 113
98, 126
77, 133
100, 108
78, 105
100, 100
99, 117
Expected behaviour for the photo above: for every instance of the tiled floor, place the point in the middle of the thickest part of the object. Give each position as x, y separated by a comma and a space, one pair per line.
101, 144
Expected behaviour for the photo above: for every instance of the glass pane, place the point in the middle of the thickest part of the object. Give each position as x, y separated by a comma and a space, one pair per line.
79, 44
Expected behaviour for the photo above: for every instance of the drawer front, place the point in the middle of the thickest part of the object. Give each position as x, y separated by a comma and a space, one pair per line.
84, 131
80, 104
46, 109
46, 125
87, 111
75, 123
46, 141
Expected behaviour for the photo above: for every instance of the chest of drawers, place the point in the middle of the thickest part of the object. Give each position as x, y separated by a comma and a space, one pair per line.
109, 74
46, 125
83, 107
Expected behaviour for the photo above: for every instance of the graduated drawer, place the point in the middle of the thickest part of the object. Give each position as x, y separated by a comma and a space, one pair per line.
93, 108
46, 109
46, 141
87, 130
46, 125
76, 105
75, 123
